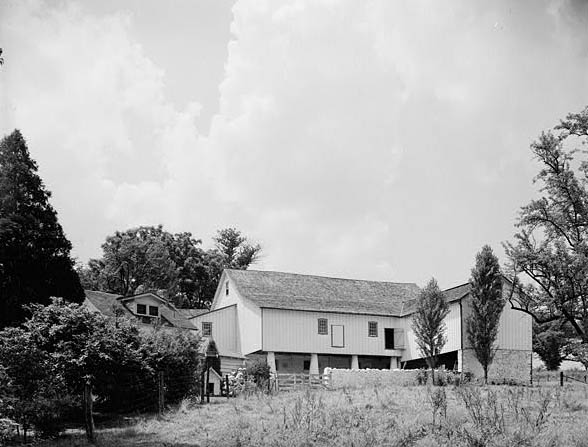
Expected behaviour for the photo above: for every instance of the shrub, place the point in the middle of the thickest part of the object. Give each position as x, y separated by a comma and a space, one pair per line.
45, 364
259, 370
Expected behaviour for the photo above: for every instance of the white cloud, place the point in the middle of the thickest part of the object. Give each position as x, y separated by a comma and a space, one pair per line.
361, 139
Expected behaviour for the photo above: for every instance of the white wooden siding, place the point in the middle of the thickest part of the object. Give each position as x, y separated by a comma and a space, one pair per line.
248, 316
225, 330
297, 331
453, 334
514, 330
221, 297
250, 326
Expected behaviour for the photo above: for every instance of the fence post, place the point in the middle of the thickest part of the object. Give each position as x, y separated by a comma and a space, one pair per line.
160, 394
561, 378
227, 385
202, 377
207, 384
89, 419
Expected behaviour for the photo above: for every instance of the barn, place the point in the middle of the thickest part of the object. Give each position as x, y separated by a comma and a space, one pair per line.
305, 323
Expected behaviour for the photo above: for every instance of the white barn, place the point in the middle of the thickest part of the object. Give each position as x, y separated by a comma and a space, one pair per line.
304, 323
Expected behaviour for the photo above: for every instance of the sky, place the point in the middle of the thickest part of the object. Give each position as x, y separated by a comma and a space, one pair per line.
362, 139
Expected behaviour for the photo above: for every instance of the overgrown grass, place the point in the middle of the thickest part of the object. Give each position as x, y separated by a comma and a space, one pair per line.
394, 416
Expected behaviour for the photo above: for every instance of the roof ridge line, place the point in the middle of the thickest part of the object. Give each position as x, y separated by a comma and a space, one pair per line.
321, 276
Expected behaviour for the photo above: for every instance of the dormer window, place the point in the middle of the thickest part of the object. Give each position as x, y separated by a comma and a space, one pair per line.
227, 288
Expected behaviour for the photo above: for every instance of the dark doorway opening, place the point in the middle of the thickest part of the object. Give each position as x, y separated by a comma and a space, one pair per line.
389, 338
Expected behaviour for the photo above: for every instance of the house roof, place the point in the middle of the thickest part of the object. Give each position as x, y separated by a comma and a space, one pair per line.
106, 303
319, 293
191, 313
109, 304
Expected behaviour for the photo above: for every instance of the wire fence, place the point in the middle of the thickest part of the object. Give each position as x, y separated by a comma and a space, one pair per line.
560, 377
153, 395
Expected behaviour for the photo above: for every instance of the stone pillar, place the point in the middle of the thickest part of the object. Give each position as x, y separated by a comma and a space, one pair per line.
314, 368
354, 362
271, 361
393, 362
460, 360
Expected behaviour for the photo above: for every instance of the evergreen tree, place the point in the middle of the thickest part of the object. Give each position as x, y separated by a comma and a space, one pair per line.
35, 261
486, 305
428, 324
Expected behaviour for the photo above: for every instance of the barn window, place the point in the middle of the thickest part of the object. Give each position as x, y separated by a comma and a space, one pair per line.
323, 326
153, 311
206, 328
372, 328
227, 288
141, 309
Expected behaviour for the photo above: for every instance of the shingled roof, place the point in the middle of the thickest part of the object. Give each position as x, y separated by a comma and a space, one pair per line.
106, 303
110, 304
319, 293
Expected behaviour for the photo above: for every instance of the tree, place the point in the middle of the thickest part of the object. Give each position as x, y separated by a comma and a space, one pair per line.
237, 253
48, 359
428, 323
548, 343
549, 257
35, 261
486, 306
175, 266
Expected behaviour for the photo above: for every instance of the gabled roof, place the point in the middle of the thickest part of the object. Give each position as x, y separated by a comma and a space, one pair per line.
453, 294
317, 293
191, 313
457, 292
110, 305
106, 303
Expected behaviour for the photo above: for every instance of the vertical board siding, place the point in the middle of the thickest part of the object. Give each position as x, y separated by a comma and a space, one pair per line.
297, 331
224, 329
514, 330
452, 332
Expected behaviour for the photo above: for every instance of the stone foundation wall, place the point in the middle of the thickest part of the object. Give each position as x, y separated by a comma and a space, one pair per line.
357, 378
509, 365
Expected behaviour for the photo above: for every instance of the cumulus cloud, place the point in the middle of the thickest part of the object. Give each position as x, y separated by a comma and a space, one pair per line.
383, 140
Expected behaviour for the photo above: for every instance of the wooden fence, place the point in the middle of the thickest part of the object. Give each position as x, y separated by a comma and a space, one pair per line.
287, 382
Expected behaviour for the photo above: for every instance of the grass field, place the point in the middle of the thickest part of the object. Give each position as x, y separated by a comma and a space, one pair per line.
399, 416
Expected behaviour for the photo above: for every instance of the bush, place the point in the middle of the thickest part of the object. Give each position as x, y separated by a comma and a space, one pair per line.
45, 364
443, 377
259, 370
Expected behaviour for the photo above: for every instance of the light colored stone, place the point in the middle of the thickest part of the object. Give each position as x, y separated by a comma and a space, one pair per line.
347, 378
271, 361
509, 365
314, 365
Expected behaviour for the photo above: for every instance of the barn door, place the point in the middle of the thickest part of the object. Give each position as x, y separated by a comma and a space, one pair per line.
337, 336
388, 338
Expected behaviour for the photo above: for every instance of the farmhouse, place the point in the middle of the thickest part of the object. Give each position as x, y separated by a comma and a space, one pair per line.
304, 323
147, 309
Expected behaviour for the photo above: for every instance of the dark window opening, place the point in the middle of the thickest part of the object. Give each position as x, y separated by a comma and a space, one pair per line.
306, 366
227, 288
142, 309
153, 311
206, 328
372, 328
389, 338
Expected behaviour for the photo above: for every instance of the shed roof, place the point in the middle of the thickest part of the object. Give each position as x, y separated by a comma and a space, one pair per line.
318, 293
